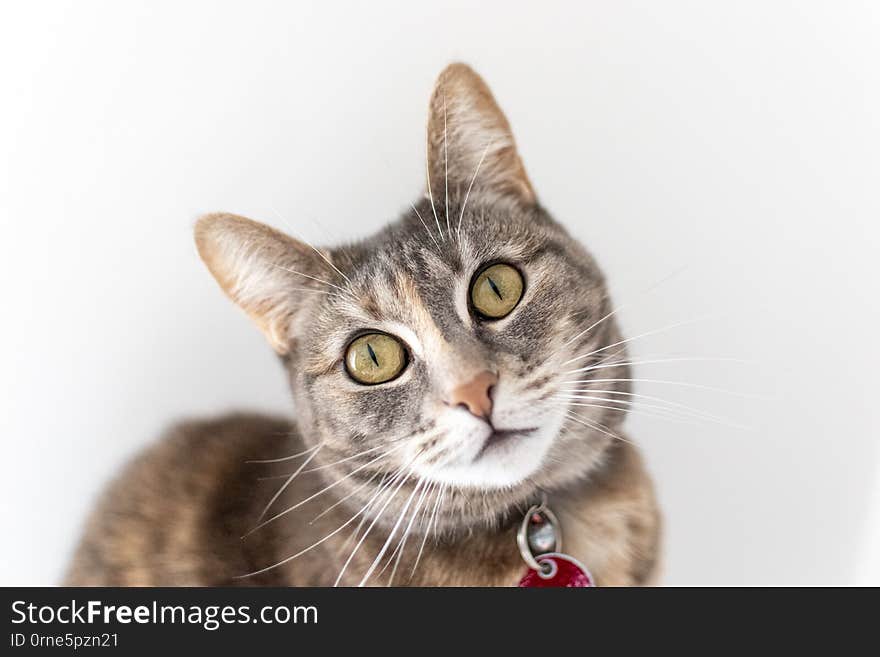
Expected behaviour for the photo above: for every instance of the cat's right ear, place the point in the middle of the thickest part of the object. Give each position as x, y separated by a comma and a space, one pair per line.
262, 270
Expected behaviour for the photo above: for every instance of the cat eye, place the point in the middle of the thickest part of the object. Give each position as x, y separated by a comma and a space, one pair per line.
375, 358
496, 290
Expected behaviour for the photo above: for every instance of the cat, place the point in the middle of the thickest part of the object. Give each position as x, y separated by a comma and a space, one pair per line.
435, 368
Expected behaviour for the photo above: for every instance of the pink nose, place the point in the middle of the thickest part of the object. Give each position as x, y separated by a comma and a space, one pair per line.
475, 395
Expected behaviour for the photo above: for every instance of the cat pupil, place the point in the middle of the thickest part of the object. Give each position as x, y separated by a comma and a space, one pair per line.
494, 288
372, 354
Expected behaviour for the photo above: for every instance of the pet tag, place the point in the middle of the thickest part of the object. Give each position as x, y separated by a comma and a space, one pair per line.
540, 543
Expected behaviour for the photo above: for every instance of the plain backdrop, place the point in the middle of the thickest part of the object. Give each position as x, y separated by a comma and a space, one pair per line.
720, 159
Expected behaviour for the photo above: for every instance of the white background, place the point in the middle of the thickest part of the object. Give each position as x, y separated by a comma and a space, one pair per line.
720, 159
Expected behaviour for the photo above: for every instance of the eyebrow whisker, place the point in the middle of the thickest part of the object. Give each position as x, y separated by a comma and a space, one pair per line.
468, 193
430, 234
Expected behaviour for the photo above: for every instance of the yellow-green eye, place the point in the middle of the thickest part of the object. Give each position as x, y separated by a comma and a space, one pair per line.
496, 291
375, 358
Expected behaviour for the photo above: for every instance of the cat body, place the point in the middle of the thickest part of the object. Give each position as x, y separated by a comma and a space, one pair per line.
449, 372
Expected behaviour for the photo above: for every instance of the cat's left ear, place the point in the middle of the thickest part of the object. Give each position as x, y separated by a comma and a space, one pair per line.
267, 273
469, 140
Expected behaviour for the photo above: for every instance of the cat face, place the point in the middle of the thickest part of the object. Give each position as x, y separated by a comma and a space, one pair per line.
412, 363
448, 348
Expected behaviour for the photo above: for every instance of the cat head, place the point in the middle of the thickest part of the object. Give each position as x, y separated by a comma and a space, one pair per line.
446, 352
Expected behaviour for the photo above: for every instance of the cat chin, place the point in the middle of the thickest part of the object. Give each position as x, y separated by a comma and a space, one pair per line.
501, 465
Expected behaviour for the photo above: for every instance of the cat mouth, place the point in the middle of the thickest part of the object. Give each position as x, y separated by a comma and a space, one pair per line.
500, 437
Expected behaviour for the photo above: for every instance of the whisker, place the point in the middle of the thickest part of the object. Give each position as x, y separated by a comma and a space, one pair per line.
685, 384
650, 288
343, 499
323, 490
629, 407
670, 403
345, 460
433, 490
283, 458
313, 545
388, 479
434, 239
324, 292
446, 163
468, 193
597, 427
316, 279
657, 415
428, 174
637, 337
696, 411
391, 534
289, 480
327, 260
609, 357
697, 359
441, 492
401, 544
373, 524
592, 326
316, 250
656, 412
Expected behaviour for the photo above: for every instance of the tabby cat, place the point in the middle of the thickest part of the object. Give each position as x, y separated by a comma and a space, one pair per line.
435, 368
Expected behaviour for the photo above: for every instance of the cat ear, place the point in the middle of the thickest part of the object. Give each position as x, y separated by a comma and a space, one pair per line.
469, 139
263, 270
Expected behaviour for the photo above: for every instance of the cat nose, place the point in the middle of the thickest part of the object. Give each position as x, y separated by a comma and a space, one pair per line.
475, 395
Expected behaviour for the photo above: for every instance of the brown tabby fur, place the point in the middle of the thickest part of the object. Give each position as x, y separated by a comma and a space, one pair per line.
185, 511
